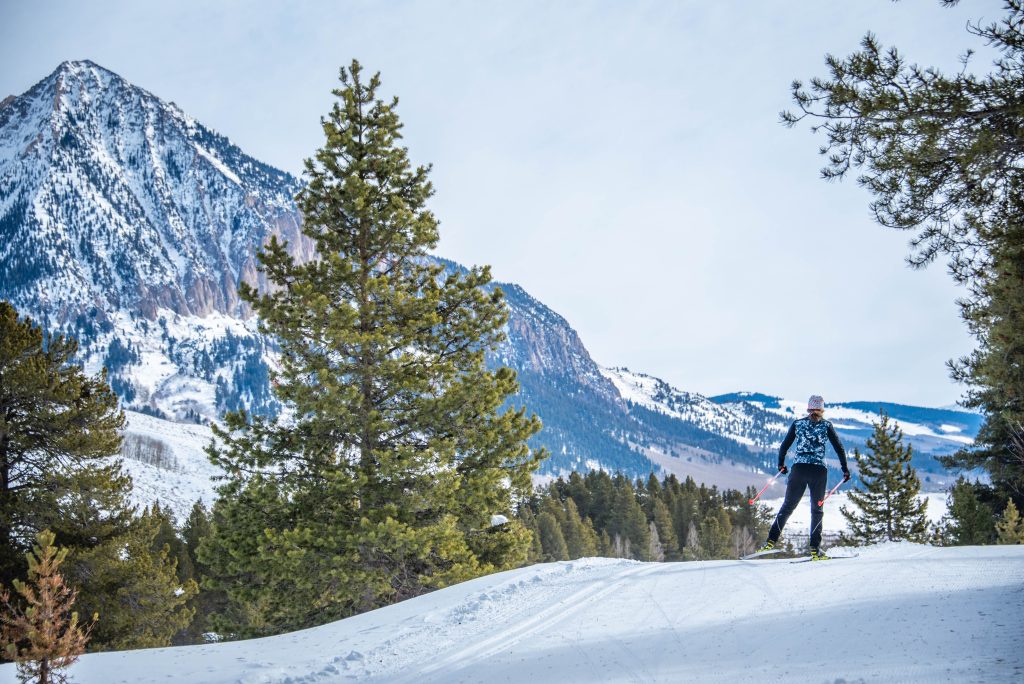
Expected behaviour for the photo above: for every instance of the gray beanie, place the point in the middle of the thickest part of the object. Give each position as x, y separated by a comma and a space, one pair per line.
815, 403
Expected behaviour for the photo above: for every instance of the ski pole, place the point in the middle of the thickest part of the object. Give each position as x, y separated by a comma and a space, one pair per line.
832, 491
758, 496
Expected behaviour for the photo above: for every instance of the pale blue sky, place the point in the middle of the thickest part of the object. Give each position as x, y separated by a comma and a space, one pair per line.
623, 161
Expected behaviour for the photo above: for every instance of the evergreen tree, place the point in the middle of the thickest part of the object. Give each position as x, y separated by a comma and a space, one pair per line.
968, 519
662, 521
58, 428
167, 536
715, 534
750, 522
383, 484
692, 549
1010, 529
134, 587
576, 488
206, 602
42, 635
580, 539
628, 522
551, 538
655, 551
888, 507
942, 156
55, 425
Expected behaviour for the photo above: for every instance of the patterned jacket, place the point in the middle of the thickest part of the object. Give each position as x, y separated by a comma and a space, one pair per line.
810, 437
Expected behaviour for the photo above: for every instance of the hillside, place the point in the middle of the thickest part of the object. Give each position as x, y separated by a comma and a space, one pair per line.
898, 612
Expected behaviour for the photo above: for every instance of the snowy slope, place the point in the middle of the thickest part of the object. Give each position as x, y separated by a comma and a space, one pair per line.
739, 422
183, 477
897, 613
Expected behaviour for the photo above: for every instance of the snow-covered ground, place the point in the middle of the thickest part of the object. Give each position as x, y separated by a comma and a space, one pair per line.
189, 475
897, 613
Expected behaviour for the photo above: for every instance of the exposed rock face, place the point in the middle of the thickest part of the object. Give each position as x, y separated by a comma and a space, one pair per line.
111, 198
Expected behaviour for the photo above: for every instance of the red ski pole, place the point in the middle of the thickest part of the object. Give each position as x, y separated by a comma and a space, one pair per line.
832, 491
758, 496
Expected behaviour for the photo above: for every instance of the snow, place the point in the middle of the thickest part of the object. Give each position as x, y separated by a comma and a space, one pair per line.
898, 612
696, 409
177, 488
217, 164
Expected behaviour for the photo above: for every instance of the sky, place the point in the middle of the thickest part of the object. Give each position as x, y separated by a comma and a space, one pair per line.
623, 162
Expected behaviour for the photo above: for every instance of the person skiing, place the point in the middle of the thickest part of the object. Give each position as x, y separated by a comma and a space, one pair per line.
809, 434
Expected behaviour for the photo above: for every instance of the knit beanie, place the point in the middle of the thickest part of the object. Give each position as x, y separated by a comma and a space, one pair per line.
815, 403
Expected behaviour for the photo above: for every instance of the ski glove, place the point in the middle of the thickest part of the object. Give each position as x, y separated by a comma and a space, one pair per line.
846, 476
783, 469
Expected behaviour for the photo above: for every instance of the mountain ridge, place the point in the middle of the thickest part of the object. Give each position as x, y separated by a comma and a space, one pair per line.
129, 225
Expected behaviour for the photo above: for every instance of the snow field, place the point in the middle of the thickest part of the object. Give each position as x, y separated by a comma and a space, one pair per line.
899, 612
179, 488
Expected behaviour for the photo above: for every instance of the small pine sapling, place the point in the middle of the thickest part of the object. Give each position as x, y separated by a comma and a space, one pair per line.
1010, 529
41, 633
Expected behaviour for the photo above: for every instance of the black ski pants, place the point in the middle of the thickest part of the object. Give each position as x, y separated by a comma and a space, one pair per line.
802, 476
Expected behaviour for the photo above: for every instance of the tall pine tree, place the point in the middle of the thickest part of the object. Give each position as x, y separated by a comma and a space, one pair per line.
382, 482
942, 156
887, 505
56, 424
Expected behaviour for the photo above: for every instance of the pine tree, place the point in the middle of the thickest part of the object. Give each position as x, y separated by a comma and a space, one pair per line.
579, 536
692, 549
55, 425
206, 602
662, 522
42, 634
889, 508
941, 155
551, 538
715, 534
628, 522
968, 520
1010, 529
167, 536
58, 428
528, 519
383, 484
134, 586
655, 552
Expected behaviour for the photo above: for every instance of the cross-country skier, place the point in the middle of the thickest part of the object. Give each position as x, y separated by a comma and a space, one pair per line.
809, 434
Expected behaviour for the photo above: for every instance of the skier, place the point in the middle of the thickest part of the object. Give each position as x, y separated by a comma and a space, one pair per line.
809, 434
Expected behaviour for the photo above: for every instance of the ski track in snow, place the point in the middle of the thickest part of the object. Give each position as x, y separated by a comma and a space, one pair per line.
898, 613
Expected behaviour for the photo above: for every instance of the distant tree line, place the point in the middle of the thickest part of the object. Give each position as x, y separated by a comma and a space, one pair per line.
599, 514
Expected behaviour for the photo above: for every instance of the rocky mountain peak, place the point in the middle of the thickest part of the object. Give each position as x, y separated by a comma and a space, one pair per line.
111, 197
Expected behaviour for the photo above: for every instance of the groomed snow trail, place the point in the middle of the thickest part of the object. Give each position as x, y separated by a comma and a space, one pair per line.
898, 612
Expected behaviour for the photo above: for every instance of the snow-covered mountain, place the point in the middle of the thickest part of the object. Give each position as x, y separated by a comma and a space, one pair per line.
742, 422
930, 431
114, 199
130, 225
896, 613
